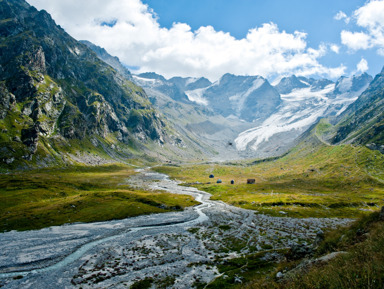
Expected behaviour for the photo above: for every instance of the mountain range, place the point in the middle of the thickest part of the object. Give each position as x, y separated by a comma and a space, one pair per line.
60, 102
64, 100
265, 119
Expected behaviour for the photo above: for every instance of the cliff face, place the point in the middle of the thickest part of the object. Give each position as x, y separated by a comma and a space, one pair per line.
54, 87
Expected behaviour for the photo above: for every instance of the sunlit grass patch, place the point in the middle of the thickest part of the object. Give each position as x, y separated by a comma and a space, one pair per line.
325, 181
46, 197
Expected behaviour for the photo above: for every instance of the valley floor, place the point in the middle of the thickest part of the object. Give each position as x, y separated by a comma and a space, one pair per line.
184, 249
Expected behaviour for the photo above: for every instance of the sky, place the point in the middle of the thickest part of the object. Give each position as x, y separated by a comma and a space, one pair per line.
274, 38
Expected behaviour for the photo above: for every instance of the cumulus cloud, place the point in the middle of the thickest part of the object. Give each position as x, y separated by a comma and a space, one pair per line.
342, 16
130, 30
355, 40
370, 18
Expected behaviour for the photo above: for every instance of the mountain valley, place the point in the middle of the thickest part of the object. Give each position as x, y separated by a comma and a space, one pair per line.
115, 179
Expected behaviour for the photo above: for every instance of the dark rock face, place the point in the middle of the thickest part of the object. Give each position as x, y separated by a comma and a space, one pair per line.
7, 100
52, 85
288, 84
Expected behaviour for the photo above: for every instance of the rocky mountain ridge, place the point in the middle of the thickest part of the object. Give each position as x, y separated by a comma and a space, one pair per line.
55, 91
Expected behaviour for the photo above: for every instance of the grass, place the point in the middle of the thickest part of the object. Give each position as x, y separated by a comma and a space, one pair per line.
46, 197
313, 180
361, 267
241, 270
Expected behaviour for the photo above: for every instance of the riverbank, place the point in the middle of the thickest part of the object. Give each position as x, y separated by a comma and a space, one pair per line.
181, 249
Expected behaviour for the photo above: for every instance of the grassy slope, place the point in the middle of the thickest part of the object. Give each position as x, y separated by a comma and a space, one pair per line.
46, 197
361, 267
314, 179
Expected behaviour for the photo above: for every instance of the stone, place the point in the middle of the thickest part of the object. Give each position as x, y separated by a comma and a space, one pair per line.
279, 275
330, 256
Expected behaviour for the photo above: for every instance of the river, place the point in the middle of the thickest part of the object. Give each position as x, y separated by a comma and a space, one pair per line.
179, 246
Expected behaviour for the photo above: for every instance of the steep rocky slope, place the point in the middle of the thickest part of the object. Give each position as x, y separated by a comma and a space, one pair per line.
109, 59
363, 121
56, 92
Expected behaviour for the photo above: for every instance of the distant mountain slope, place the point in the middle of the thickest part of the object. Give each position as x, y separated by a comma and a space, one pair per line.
250, 98
363, 121
287, 84
307, 101
159, 83
55, 90
201, 127
190, 83
273, 121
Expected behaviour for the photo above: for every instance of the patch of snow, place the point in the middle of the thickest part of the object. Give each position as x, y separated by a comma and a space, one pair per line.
305, 82
77, 51
147, 80
197, 96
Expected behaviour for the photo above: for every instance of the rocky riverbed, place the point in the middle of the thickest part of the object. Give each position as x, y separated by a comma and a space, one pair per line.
171, 250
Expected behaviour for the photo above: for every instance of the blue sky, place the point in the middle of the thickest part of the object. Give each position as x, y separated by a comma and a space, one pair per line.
212, 37
314, 17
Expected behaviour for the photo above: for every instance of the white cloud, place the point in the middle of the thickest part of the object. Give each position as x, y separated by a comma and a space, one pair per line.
341, 15
135, 36
335, 48
362, 66
355, 40
370, 18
